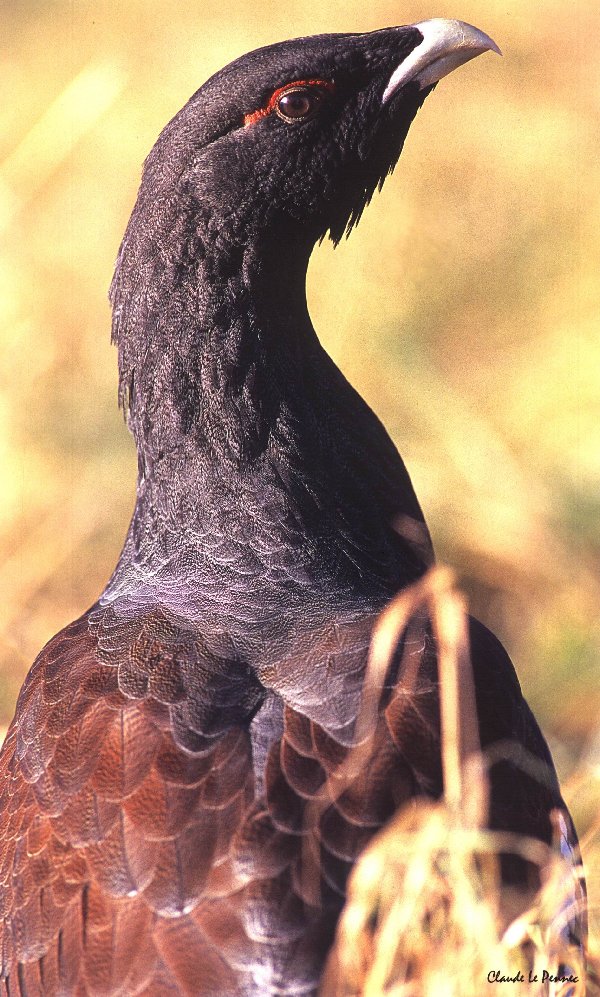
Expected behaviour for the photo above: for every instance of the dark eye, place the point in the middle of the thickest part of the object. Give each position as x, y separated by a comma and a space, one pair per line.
298, 104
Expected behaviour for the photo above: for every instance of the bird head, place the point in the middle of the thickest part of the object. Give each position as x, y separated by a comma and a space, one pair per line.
301, 133
280, 147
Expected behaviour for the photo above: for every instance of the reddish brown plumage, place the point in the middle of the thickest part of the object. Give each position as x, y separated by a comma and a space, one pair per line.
130, 864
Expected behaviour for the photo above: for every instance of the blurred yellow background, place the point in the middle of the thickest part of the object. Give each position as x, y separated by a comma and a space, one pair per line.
464, 308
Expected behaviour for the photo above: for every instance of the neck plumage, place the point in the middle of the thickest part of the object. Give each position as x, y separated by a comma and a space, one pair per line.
257, 460
214, 344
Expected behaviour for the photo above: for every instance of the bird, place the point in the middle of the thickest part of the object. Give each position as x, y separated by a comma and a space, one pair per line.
158, 777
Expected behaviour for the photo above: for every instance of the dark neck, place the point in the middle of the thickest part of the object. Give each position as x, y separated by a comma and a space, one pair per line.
250, 441
218, 345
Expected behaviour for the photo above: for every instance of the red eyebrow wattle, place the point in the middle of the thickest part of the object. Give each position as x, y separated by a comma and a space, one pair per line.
262, 112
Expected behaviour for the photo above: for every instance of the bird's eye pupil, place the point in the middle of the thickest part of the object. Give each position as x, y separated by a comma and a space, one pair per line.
296, 104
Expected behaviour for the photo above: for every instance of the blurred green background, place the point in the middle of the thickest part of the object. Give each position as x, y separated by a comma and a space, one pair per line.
464, 308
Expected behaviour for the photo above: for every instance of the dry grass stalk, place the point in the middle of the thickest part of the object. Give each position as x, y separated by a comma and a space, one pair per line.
427, 915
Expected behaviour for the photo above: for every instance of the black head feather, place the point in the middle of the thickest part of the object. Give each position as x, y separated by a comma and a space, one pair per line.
228, 188
245, 176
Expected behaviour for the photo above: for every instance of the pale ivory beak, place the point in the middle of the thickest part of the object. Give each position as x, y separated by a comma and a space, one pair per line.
446, 45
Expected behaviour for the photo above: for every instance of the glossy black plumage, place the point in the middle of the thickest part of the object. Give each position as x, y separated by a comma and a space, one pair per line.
158, 778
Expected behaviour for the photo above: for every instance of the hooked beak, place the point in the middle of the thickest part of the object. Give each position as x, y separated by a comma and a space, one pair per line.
446, 45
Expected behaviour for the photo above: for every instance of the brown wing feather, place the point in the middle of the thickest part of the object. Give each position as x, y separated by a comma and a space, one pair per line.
134, 856
107, 823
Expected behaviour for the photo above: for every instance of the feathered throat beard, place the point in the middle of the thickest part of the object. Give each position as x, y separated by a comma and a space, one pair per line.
379, 155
